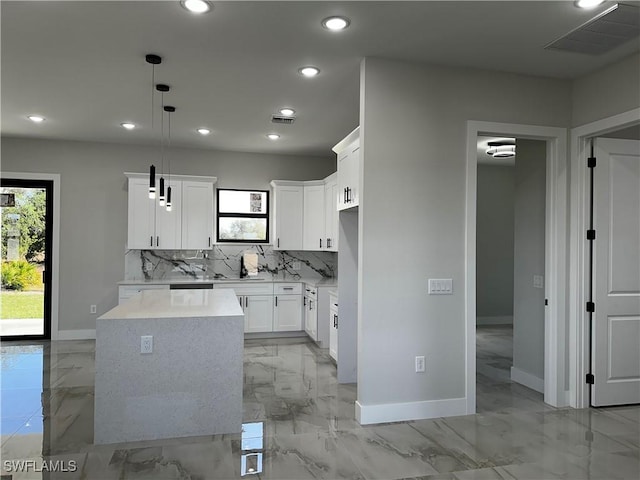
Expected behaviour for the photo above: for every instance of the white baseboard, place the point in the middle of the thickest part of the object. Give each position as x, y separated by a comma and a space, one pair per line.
76, 335
495, 320
400, 412
527, 379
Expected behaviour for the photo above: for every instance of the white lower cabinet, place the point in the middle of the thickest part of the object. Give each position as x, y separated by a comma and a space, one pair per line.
287, 313
311, 318
333, 326
258, 316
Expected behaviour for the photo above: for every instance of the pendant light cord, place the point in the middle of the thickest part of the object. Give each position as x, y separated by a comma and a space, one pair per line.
162, 135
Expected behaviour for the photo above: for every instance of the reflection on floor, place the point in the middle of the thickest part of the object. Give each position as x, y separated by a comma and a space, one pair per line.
299, 424
495, 392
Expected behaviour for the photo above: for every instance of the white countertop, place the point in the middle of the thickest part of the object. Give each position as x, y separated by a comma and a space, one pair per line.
220, 302
316, 282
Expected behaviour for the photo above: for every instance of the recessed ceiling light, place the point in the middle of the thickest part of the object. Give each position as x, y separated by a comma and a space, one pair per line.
36, 118
287, 112
588, 4
196, 6
273, 136
203, 131
335, 24
128, 125
309, 71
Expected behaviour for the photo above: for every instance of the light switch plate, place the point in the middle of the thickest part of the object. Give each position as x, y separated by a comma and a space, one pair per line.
440, 286
538, 281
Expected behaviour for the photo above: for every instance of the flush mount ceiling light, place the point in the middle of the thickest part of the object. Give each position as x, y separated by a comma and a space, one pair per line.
588, 4
203, 131
273, 136
309, 71
36, 118
336, 24
196, 6
128, 125
501, 150
287, 112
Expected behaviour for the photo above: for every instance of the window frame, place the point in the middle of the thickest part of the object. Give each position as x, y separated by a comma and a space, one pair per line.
265, 216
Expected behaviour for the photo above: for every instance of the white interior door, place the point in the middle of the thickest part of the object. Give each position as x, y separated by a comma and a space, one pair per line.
616, 274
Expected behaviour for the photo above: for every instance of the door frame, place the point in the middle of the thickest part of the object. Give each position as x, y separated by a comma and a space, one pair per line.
556, 232
55, 239
579, 256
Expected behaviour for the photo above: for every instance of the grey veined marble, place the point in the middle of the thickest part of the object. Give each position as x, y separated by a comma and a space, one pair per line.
298, 423
224, 262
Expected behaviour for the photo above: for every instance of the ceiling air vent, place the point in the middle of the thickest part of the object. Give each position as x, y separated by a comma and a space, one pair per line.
282, 119
611, 28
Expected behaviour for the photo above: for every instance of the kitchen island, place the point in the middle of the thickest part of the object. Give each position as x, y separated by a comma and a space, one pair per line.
191, 382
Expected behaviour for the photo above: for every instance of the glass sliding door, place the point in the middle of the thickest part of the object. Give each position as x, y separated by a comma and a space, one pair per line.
27, 222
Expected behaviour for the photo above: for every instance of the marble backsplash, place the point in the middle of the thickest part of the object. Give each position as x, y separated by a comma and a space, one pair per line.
223, 261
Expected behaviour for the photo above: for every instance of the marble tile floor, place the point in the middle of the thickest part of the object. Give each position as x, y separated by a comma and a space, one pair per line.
299, 424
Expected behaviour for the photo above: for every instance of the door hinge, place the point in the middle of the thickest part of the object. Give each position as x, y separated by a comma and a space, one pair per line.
590, 379
591, 234
591, 307
591, 162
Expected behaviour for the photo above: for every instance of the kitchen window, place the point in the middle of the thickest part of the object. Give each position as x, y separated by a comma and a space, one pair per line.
243, 216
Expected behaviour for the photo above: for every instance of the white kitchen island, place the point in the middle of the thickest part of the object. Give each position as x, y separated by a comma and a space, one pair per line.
191, 383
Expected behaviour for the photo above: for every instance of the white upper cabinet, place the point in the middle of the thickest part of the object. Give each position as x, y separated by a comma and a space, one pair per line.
152, 227
197, 215
331, 213
314, 216
348, 152
288, 213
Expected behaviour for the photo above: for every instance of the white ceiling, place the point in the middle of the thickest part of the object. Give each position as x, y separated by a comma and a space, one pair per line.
81, 64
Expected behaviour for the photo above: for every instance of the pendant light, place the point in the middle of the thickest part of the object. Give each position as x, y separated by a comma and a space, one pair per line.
169, 109
153, 60
162, 88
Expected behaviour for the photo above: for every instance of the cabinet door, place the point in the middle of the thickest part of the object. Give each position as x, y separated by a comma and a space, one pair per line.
288, 222
287, 313
197, 215
313, 218
142, 216
343, 178
331, 216
258, 313
333, 332
169, 224
311, 318
353, 194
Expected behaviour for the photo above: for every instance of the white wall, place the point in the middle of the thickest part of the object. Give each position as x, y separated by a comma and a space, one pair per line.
93, 204
529, 257
607, 92
413, 141
494, 243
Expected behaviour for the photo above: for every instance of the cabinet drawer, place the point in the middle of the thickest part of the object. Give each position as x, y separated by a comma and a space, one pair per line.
244, 288
288, 288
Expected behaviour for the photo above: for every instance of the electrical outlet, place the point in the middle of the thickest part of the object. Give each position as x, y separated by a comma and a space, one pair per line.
146, 344
296, 266
93, 309
420, 364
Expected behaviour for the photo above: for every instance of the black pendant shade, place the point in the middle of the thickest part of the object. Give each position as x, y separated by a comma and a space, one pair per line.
152, 181
169, 199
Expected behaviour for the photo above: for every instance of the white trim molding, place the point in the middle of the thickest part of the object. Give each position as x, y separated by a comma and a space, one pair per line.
527, 379
55, 241
578, 281
555, 255
88, 334
399, 412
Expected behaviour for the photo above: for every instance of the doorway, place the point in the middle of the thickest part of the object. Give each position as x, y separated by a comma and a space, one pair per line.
27, 231
511, 259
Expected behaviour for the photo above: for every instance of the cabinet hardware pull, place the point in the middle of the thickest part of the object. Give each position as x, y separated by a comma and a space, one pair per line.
158, 241
287, 288
278, 243
246, 302
320, 243
335, 321
336, 304
209, 241
151, 241
328, 243
310, 304
240, 300
345, 195
305, 301
276, 301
